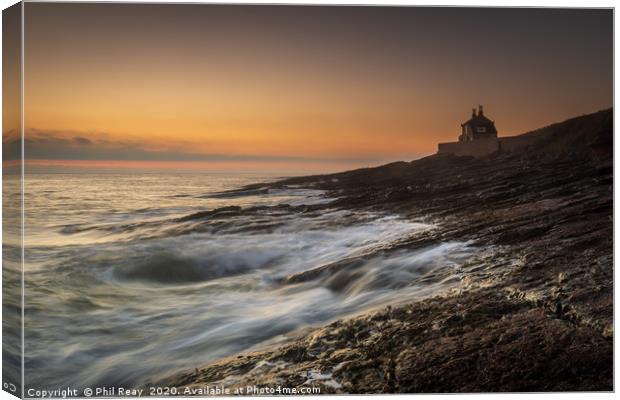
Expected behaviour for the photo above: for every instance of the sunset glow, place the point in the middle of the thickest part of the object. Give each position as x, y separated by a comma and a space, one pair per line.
257, 85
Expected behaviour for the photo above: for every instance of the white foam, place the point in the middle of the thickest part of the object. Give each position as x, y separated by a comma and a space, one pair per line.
324, 378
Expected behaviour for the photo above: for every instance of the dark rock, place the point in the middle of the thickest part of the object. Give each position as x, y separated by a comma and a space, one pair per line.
535, 315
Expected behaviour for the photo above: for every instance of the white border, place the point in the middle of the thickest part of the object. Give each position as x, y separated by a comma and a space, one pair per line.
478, 3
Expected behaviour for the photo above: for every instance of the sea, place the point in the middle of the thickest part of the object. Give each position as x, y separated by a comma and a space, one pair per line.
133, 277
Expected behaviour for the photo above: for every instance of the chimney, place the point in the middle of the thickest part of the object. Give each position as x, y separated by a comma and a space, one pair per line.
473, 112
479, 110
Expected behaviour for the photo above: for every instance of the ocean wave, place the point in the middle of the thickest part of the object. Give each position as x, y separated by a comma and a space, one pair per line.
166, 268
176, 284
293, 196
300, 247
399, 269
231, 194
229, 220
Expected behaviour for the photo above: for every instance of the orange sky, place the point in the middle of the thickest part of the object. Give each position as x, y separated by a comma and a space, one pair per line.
279, 86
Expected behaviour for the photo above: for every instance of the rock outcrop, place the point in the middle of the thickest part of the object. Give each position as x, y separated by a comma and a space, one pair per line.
534, 315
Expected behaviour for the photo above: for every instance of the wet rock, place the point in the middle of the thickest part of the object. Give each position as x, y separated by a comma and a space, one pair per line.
536, 314
218, 212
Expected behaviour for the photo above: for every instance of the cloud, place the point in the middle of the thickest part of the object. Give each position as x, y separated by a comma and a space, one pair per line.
82, 140
54, 145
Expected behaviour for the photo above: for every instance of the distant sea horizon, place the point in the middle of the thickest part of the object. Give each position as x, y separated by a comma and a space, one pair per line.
150, 167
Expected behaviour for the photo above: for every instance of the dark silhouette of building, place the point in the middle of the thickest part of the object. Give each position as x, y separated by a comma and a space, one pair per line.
478, 127
478, 138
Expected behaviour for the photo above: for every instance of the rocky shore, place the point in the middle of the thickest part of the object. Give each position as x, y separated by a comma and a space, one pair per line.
533, 314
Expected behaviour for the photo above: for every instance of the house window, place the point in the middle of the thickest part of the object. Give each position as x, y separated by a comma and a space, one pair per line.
481, 129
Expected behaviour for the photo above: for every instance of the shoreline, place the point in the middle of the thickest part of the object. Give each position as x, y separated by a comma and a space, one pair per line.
536, 316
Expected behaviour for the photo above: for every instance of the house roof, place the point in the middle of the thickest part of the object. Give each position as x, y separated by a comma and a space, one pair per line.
481, 120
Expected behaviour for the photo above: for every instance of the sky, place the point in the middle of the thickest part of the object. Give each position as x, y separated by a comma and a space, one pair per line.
296, 87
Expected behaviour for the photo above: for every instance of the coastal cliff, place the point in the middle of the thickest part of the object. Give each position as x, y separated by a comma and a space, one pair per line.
533, 313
